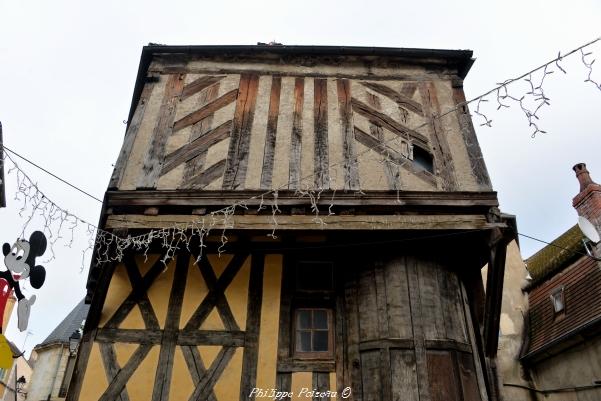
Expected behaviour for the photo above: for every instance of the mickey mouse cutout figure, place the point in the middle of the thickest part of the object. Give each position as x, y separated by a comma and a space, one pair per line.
20, 262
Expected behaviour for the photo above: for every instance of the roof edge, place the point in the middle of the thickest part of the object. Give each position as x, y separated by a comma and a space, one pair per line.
463, 58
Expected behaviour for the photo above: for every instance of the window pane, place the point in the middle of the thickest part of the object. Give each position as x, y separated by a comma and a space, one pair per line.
320, 341
320, 319
303, 341
304, 319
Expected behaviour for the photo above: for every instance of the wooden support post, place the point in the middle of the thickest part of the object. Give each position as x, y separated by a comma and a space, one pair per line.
499, 239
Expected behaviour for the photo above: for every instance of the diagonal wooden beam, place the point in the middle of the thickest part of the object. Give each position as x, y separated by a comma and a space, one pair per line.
139, 286
206, 110
222, 305
400, 99
387, 122
444, 163
138, 294
210, 300
201, 180
118, 383
391, 170
111, 367
193, 149
207, 382
196, 367
199, 84
197, 164
380, 148
408, 89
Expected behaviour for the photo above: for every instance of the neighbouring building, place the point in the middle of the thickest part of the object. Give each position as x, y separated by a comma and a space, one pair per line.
514, 308
54, 359
358, 213
22, 368
562, 350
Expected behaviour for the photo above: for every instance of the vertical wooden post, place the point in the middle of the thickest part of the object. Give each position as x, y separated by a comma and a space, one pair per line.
162, 381
494, 293
253, 322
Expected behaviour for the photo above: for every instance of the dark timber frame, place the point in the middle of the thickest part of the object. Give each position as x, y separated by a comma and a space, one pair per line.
171, 336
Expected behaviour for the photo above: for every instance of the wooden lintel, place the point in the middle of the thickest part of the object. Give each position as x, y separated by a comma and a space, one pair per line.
253, 198
308, 222
298, 365
211, 337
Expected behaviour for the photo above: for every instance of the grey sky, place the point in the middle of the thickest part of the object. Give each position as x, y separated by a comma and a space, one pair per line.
67, 72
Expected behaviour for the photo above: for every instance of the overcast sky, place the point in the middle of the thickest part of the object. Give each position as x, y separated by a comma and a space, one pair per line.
67, 71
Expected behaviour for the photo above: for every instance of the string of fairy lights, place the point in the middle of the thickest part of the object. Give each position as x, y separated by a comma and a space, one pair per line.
63, 226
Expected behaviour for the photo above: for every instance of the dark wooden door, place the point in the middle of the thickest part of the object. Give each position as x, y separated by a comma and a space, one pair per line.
408, 333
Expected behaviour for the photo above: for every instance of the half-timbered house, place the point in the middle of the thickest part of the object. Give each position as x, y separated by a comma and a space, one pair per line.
350, 212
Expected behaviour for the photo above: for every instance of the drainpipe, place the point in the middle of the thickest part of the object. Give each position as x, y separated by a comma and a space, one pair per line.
58, 364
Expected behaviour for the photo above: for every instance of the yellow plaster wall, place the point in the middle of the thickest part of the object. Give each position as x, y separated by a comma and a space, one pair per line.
237, 294
196, 290
119, 289
159, 293
133, 320
94, 381
141, 383
124, 351
208, 353
301, 380
182, 385
333, 386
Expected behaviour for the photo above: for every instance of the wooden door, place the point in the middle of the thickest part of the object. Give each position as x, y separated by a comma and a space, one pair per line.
408, 333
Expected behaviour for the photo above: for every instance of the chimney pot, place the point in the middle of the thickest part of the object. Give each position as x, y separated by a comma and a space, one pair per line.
583, 176
588, 201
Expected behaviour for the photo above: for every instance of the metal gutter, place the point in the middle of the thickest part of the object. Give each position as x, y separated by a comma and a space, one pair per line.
531, 355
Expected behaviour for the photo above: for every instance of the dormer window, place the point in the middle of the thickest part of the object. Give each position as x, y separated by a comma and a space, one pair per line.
558, 301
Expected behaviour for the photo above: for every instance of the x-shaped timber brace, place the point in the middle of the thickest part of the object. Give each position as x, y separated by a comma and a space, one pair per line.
170, 336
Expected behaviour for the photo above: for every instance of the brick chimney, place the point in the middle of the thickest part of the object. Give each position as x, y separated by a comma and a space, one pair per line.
588, 202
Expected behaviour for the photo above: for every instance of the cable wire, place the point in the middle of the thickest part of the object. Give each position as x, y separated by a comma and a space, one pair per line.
2, 146
552, 244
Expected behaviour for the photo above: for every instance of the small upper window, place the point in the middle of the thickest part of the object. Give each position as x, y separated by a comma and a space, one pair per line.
557, 300
313, 332
423, 159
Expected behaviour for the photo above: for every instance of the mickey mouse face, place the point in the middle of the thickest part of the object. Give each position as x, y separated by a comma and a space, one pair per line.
16, 258
20, 258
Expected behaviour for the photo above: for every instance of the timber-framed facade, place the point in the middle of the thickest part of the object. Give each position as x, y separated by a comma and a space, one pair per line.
385, 215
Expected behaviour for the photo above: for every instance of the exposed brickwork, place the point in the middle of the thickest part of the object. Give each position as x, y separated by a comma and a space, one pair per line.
588, 202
